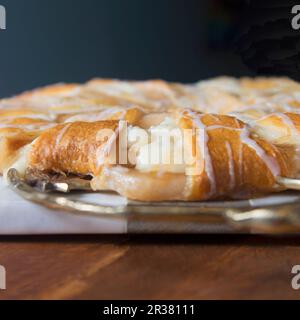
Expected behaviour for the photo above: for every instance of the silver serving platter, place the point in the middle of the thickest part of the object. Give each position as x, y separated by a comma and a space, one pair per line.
276, 214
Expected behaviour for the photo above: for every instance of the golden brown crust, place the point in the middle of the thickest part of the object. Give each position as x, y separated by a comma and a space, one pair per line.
73, 147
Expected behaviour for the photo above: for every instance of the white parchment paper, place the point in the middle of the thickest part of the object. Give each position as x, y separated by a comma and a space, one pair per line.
21, 217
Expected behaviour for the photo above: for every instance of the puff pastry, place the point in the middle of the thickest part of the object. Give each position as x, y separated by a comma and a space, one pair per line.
234, 137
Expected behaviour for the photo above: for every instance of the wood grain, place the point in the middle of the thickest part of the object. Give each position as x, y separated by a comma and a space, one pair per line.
149, 267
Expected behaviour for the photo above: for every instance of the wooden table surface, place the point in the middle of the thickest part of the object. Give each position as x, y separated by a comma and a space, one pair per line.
149, 267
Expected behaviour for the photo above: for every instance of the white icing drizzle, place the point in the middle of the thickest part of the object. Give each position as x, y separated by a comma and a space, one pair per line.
242, 117
37, 116
270, 162
241, 156
61, 135
29, 127
215, 118
237, 122
102, 115
65, 109
217, 126
203, 140
287, 121
230, 165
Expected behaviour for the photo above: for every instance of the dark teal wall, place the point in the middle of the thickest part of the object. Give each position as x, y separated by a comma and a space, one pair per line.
49, 41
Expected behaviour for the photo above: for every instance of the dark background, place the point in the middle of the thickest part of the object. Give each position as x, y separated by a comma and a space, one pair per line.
49, 41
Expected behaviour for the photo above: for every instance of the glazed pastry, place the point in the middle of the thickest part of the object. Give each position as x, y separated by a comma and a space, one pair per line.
232, 162
224, 138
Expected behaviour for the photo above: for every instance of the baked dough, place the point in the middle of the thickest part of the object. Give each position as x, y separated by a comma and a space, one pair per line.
243, 134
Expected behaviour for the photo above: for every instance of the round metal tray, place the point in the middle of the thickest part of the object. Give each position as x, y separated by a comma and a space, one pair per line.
275, 214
